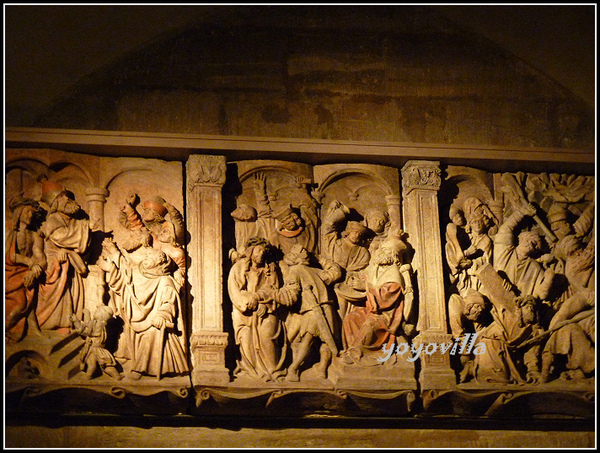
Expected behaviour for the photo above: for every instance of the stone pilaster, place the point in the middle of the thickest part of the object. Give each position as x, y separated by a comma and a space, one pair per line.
95, 287
421, 182
205, 179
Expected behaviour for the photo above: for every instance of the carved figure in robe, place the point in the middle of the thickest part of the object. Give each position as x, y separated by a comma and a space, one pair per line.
457, 241
150, 305
480, 251
508, 357
24, 264
466, 314
346, 248
379, 224
573, 326
66, 232
294, 222
257, 317
517, 263
311, 317
94, 354
389, 298
168, 234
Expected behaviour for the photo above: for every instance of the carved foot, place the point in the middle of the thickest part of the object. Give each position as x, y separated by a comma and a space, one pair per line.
134, 375
292, 375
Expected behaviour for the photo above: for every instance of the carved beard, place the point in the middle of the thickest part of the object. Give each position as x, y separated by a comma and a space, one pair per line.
71, 208
385, 257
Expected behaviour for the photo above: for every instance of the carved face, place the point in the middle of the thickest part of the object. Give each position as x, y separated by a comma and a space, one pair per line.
560, 228
258, 254
478, 225
354, 236
528, 314
66, 205
473, 311
529, 243
27, 214
291, 221
376, 221
150, 215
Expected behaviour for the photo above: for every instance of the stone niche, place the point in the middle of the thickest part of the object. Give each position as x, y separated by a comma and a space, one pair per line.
213, 285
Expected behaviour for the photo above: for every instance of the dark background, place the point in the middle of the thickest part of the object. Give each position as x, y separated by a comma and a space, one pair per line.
49, 48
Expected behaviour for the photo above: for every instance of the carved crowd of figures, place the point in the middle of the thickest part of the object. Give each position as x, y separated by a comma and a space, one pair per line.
306, 289
524, 283
311, 284
49, 252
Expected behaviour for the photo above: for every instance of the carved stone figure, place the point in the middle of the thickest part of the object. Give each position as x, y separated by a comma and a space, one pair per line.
24, 264
457, 241
389, 295
257, 320
311, 316
347, 249
479, 221
517, 262
66, 234
466, 314
572, 328
168, 234
509, 357
293, 222
94, 354
378, 221
150, 305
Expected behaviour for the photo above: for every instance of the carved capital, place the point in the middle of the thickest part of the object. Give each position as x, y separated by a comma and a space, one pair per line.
421, 174
206, 170
98, 194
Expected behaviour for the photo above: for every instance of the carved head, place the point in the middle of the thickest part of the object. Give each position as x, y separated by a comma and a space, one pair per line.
355, 232
244, 213
136, 239
527, 310
377, 220
24, 210
154, 210
474, 304
257, 249
530, 242
288, 218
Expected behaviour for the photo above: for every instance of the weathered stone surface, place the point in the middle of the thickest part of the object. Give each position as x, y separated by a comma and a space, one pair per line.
397, 74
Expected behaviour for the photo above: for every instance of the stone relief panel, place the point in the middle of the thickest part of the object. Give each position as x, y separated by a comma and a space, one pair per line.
519, 268
272, 287
95, 290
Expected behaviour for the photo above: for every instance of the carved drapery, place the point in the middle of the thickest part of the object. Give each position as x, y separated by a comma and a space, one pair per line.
315, 192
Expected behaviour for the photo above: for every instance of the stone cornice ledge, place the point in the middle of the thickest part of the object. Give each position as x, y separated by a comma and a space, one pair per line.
179, 146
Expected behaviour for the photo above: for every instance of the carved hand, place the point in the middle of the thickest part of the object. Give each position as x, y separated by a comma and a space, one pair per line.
253, 303
132, 199
159, 322
260, 181
528, 209
62, 256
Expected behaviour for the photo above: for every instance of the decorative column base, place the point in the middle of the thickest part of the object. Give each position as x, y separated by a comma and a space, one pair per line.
436, 372
208, 359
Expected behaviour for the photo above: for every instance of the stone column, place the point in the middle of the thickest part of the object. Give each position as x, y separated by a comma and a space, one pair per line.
393, 207
205, 178
421, 181
95, 288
